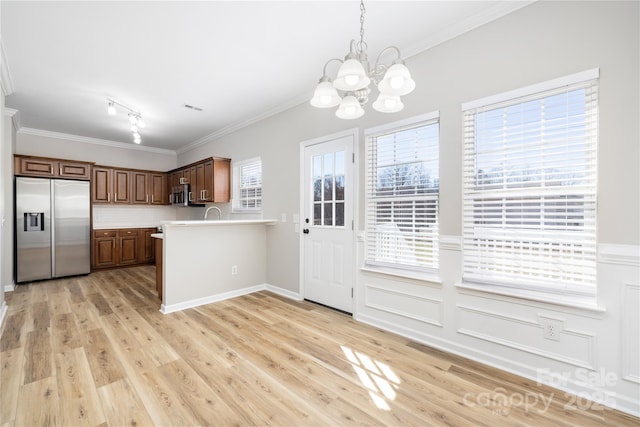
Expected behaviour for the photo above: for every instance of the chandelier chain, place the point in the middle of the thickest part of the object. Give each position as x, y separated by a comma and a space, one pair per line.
362, 46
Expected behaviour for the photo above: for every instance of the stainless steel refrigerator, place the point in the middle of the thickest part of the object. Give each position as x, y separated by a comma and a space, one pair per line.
52, 228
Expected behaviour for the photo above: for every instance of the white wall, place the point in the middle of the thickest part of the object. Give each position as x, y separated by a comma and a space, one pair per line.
540, 42
3, 229
6, 169
71, 147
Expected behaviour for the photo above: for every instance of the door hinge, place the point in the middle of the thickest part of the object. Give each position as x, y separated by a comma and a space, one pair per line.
352, 225
351, 292
353, 157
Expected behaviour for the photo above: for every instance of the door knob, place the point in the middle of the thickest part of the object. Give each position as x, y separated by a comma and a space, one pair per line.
305, 231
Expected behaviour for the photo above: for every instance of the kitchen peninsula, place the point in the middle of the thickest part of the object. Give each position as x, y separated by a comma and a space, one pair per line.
207, 261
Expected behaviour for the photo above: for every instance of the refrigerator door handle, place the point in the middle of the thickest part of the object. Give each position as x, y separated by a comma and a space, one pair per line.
53, 228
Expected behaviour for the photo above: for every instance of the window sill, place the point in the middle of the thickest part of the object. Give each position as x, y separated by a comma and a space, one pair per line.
246, 211
405, 274
584, 304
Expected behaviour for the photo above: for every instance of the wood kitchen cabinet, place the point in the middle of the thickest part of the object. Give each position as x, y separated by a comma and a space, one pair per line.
129, 246
105, 250
147, 248
52, 168
149, 188
121, 186
159, 193
128, 186
110, 185
209, 180
122, 247
101, 184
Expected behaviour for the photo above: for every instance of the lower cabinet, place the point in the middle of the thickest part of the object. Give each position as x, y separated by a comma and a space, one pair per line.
122, 247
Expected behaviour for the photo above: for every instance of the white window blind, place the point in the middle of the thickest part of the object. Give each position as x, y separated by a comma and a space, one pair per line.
248, 178
402, 196
530, 191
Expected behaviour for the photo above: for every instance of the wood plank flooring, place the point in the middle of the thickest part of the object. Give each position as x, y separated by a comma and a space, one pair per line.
95, 351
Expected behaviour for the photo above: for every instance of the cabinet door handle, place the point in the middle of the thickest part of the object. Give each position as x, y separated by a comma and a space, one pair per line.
147, 199
152, 199
190, 198
205, 191
115, 197
170, 199
108, 197
60, 170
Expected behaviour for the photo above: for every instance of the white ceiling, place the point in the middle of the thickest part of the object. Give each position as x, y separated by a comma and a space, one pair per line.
238, 60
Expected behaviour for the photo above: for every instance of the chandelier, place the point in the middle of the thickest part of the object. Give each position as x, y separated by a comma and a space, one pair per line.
350, 89
135, 118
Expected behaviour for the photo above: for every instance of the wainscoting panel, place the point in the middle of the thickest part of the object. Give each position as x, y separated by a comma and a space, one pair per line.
405, 304
570, 347
631, 328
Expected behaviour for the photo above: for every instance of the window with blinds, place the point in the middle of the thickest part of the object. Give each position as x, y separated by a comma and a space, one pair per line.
248, 185
402, 194
530, 188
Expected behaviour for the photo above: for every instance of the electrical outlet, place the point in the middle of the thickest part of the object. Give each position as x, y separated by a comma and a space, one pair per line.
551, 328
234, 269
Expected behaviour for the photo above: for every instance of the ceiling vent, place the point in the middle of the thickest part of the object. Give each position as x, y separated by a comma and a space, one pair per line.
192, 107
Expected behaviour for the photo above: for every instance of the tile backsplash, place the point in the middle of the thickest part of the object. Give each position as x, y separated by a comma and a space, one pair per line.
109, 216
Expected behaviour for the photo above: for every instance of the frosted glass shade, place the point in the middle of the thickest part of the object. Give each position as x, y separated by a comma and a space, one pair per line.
349, 108
351, 76
397, 81
388, 103
325, 95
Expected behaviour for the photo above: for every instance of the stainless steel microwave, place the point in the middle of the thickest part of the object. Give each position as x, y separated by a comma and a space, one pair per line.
181, 196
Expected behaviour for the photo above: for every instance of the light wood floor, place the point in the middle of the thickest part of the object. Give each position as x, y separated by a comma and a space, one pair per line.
95, 351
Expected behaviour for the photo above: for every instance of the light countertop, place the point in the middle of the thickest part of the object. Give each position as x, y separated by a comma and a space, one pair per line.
207, 223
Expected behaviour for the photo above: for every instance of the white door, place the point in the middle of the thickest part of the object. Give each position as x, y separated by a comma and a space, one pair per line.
327, 222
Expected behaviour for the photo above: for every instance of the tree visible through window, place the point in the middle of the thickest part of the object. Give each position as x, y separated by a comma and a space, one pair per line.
402, 195
530, 190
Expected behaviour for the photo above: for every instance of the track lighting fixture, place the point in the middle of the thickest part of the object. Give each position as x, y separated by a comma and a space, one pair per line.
355, 76
135, 118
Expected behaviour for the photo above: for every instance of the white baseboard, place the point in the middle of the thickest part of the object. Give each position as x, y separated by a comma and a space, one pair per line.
284, 292
574, 386
227, 295
10, 287
166, 309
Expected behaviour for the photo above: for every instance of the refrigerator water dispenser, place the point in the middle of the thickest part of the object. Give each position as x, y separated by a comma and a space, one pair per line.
33, 221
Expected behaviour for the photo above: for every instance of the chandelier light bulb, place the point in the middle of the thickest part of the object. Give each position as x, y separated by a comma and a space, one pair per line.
388, 103
325, 95
351, 76
397, 81
140, 123
349, 108
111, 109
133, 119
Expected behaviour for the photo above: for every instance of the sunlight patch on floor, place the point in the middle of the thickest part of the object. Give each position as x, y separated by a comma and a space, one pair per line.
377, 377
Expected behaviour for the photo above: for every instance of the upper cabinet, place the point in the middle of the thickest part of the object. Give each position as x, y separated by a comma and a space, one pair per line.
209, 180
125, 186
52, 168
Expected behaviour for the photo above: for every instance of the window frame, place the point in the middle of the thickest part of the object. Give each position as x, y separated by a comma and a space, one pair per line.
567, 289
237, 186
373, 264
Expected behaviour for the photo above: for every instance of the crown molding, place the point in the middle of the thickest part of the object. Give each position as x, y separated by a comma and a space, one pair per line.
463, 26
15, 117
95, 141
242, 124
5, 76
499, 10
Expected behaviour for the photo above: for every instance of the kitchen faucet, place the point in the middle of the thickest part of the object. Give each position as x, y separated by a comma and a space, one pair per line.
213, 207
